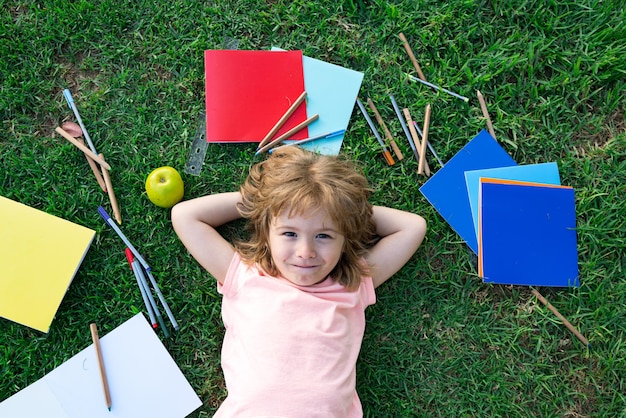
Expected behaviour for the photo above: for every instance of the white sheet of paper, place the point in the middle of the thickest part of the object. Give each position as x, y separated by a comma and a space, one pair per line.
144, 381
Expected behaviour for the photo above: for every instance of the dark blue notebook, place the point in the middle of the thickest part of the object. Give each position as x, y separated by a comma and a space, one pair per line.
527, 234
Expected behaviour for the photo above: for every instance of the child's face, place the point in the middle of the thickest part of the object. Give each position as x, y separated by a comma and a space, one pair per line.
305, 249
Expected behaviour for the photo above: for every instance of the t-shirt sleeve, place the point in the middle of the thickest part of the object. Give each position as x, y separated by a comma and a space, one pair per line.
229, 285
367, 291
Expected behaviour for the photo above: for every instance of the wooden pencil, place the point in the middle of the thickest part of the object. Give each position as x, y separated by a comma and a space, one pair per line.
483, 107
420, 167
103, 373
94, 168
381, 122
282, 120
416, 138
409, 51
287, 134
112, 198
561, 317
83, 148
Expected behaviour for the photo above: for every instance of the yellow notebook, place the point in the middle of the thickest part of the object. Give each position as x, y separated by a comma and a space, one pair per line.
39, 256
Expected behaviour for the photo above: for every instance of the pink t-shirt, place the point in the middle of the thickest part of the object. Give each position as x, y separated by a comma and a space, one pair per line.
290, 351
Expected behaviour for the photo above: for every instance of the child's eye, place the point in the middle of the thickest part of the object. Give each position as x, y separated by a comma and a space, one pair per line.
289, 234
324, 236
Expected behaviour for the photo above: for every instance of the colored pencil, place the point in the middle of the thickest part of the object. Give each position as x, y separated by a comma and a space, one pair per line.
282, 120
70, 102
94, 168
112, 198
404, 127
143, 289
409, 51
83, 148
416, 138
483, 108
567, 324
381, 122
287, 134
386, 152
103, 373
420, 169
430, 147
168, 311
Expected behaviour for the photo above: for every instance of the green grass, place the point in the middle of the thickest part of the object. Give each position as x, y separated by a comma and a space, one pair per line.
439, 342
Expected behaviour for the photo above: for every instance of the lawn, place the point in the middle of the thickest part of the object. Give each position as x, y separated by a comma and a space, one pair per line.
439, 342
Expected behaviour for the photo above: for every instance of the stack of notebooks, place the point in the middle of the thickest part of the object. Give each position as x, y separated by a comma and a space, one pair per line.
518, 219
247, 92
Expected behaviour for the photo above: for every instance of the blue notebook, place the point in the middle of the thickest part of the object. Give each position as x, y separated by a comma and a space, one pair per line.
446, 190
527, 234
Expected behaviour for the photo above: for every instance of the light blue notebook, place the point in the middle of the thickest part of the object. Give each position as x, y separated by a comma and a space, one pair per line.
547, 173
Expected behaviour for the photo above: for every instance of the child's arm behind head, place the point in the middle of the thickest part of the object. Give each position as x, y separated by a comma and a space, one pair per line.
195, 221
401, 234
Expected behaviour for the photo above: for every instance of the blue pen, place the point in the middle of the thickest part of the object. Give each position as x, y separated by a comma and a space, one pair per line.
70, 102
313, 138
117, 229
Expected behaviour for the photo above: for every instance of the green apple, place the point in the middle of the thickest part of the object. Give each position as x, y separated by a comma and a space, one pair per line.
165, 187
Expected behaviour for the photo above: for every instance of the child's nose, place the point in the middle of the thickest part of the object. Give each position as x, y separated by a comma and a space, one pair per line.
306, 249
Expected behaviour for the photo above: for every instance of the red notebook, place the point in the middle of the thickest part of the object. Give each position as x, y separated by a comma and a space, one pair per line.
247, 92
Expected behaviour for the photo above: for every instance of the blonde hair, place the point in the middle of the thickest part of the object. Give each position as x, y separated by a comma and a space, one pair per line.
300, 181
